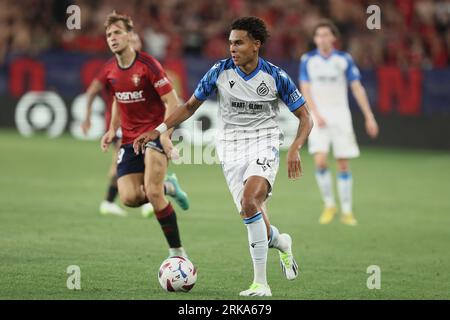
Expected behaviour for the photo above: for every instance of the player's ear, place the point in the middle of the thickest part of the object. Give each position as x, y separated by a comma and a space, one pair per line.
257, 44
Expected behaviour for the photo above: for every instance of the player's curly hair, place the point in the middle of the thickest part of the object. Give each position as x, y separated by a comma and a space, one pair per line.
329, 24
255, 27
114, 17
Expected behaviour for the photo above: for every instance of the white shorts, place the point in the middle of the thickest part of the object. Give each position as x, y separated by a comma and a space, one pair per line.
243, 159
340, 136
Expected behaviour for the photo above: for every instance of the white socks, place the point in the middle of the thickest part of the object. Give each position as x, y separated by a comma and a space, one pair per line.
323, 178
277, 242
257, 239
345, 183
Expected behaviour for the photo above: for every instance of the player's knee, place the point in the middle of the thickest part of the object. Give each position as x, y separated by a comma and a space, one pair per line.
321, 165
343, 166
249, 206
130, 200
154, 195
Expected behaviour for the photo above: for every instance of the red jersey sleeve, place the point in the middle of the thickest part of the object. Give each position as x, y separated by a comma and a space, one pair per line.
157, 75
101, 76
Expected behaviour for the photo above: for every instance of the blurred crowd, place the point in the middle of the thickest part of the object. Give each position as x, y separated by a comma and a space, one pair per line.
414, 33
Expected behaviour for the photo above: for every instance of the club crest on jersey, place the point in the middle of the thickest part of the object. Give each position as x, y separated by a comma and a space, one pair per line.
136, 79
262, 89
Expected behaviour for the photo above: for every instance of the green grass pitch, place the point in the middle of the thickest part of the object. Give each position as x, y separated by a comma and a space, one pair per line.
50, 190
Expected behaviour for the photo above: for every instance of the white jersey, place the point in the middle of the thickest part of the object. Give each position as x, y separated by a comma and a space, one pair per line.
249, 104
329, 78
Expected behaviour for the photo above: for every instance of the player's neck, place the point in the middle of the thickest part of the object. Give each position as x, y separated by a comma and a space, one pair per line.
250, 67
326, 52
126, 57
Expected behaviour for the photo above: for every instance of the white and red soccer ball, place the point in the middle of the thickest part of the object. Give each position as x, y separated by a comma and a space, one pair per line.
177, 274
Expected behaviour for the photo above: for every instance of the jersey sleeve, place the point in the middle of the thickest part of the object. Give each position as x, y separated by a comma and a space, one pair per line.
208, 84
102, 75
158, 78
303, 70
352, 72
288, 91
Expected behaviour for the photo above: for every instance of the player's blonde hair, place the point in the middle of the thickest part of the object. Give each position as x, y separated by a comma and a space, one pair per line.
114, 17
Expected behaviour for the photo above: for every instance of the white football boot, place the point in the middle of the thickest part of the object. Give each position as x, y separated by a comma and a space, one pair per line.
147, 210
257, 290
177, 252
111, 208
287, 261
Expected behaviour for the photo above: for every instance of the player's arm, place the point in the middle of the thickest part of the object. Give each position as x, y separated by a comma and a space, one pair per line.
305, 89
94, 88
304, 128
180, 114
171, 102
360, 95
113, 127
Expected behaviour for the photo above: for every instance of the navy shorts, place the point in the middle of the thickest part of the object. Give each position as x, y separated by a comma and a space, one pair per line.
128, 162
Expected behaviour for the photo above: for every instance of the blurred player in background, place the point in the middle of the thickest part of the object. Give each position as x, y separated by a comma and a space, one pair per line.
324, 76
249, 91
143, 97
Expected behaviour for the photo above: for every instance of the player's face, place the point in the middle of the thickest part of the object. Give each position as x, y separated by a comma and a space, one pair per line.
243, 49
324, 38
117, 37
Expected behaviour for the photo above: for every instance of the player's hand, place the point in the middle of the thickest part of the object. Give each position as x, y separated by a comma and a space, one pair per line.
294, 163
139, 142
166, 144
85, 126
107, 138
320, 120
372, 127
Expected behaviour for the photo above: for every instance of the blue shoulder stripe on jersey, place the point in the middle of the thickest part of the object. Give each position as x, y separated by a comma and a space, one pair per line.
303, 70
207, 84
287, 90
351, 72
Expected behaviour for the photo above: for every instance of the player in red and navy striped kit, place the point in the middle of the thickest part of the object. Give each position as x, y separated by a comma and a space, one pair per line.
143, 97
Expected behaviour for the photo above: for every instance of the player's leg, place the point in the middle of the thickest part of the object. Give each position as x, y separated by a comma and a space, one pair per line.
283, 243
255, 192
130, 173
345, 148
172, 187
325, 183
319, 142
131, 193
155, 172
108, 206
345, 190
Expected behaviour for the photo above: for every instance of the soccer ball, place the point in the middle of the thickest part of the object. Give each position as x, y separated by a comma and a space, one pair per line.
177, 274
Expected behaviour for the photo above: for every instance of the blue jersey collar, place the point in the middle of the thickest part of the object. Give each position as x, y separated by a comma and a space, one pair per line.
249, 76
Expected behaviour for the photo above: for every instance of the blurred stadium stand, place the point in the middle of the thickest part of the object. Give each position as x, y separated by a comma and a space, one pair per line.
405, 64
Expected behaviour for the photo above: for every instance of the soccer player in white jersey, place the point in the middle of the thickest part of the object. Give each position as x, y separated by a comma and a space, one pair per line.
249, 91
324, 76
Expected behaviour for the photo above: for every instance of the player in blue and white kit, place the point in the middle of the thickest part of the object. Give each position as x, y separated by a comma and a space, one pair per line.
249, 91
324, 76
